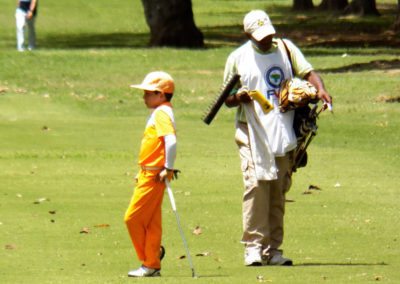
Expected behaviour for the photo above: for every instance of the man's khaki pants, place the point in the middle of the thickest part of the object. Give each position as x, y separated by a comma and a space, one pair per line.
263, 201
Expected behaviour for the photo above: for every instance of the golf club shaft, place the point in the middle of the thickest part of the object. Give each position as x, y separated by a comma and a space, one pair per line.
172, 199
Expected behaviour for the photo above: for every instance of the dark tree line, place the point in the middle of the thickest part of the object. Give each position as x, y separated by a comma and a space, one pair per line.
171, 22
396, 25
360, 7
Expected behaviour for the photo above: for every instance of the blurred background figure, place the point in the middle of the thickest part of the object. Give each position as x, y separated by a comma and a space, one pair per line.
25, 16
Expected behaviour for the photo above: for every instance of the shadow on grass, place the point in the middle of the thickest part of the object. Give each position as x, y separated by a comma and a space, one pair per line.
381, 65
311, 29
319, 29
198, 276
86, 40
312, 37
340, 264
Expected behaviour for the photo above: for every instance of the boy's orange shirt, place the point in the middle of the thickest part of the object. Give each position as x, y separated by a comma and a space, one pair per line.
160, 124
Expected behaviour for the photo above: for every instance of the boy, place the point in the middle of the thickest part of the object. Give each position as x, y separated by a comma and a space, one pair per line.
156, 160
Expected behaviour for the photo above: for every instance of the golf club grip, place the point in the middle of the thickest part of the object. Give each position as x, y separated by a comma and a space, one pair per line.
220, 99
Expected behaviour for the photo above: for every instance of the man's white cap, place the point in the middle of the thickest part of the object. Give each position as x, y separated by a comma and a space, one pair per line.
258, 24
157, 81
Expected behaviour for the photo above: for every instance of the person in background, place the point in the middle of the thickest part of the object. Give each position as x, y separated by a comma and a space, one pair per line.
25, 16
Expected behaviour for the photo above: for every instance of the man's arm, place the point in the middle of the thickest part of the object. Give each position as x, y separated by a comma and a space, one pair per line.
32, 7
238, 98
304, 70
316, 80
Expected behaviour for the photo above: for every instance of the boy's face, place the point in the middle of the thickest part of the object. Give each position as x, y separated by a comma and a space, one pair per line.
153, 99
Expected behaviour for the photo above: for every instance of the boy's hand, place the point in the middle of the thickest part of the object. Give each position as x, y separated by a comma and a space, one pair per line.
165, 173
169, 174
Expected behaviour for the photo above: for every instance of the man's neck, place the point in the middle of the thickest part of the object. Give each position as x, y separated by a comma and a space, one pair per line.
271, 50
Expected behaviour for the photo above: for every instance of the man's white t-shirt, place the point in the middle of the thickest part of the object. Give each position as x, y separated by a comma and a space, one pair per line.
265, 72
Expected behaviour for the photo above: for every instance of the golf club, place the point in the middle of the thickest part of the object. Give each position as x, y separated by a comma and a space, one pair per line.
172, 199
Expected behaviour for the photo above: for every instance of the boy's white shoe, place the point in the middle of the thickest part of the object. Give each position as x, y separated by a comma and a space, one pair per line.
144, 271
252, 256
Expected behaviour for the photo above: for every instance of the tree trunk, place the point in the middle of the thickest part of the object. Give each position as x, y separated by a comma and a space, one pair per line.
333, 5
301, 5
362, 7
171, 23
396, 25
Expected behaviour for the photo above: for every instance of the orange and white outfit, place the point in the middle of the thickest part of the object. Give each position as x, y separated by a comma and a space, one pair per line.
143, 216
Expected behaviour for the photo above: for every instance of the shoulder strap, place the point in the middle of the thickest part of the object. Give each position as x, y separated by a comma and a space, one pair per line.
288, 55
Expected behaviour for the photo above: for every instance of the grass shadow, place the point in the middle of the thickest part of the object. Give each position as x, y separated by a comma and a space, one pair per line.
338, 36
341, 264
318, 29
372, 65
314, 29
87, 40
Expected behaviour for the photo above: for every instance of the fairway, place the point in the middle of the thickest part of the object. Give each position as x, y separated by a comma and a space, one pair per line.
70, 131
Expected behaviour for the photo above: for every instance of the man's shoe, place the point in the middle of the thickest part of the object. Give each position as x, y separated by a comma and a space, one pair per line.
278, 259
144, 271
252, 256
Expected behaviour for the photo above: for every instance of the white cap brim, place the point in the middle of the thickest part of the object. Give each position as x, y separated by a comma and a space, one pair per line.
144, 87
263, 32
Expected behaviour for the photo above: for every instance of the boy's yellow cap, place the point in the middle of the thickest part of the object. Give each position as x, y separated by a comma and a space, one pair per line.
157, 81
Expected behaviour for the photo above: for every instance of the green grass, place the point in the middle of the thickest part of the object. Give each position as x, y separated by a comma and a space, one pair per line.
70, 130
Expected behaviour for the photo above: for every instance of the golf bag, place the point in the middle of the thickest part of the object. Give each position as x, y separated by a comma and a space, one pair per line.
305, 128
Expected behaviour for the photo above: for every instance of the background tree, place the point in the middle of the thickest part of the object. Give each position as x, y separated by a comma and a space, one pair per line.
171, 23
396, 25
338, 5
362, 7
300, 5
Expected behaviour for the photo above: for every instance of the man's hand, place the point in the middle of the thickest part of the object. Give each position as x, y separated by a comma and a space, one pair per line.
29, 15
322, 94
243, 96
326, 99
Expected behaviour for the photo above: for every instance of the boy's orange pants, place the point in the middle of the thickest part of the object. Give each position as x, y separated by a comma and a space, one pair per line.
143, 218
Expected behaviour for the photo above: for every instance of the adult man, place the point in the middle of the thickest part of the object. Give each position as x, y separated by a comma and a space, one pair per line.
266, 141
25, 15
